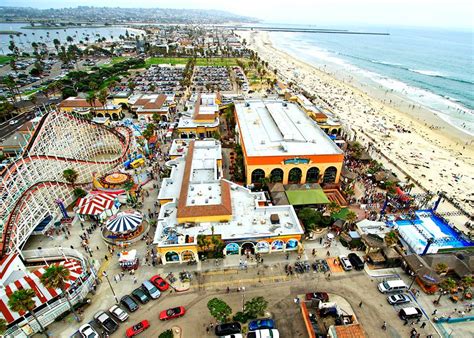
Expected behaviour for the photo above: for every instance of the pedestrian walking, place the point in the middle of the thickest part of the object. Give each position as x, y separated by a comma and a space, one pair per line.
423, 325
360, 304
434, 312
328, 253
384, 326
106, 258
134, 280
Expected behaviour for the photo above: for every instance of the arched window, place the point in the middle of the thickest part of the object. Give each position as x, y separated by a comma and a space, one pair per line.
312, 175
294, 176
276, 175
257, 175
330, 175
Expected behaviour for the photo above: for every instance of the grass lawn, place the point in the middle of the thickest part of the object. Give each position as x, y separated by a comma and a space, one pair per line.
4, 59
118, 59
199, 61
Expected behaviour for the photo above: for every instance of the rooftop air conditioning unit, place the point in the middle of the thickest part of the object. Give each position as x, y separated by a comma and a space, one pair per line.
285, 104
262, 142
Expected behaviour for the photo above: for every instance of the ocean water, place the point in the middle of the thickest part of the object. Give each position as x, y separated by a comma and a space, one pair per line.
28, 36
431, 68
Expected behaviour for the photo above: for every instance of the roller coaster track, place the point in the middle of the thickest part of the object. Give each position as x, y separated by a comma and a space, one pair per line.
31, 185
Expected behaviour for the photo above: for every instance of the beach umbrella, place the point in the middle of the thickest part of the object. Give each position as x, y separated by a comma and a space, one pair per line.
124, 221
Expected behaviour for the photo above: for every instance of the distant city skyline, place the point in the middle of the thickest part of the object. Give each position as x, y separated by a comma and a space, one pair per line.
435, 13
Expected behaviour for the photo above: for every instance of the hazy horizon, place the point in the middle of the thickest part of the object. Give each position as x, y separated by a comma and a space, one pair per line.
457, 14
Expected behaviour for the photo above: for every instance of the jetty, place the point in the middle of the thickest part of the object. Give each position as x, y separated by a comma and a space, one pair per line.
303, 30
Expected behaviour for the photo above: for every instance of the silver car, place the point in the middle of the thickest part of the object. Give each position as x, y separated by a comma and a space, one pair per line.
399, 298
118, 313
87, 331
346, 263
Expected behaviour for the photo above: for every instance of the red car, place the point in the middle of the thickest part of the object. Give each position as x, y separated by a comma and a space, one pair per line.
159, 282
137, 328
172, 313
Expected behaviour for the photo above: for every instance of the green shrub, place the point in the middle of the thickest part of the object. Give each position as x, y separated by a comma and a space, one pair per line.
166, 334
240, 317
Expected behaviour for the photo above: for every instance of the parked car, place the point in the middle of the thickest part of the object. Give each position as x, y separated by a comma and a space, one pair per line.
396, 285
227, 329
172, 313
322, 296
356, 261
399, 298
129, 303
259, 324
408, 313
106, 322
118, 313
13, 122
160, 283
266, 333
137, 328
151, 289
140, 295
87, 331
346, 264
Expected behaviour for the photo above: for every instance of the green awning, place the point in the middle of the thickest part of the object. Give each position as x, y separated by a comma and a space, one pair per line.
306, 197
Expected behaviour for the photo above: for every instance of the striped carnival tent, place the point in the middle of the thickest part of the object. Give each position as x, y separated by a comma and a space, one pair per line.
124, 221
95, 203
31, 280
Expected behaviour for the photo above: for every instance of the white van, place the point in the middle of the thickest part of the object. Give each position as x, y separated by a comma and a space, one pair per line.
266, 333
392, 286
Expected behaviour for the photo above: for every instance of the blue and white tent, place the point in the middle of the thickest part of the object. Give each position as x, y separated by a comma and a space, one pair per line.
124, 221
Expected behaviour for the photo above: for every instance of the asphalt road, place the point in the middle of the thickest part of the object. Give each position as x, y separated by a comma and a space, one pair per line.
6, 129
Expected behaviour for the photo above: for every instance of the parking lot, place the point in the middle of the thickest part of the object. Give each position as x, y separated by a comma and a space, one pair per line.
211, 78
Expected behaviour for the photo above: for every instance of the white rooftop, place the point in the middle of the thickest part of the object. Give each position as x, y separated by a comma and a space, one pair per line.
248, 218
189, 122
280, 128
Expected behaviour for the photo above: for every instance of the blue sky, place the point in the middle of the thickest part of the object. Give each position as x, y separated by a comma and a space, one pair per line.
431, 13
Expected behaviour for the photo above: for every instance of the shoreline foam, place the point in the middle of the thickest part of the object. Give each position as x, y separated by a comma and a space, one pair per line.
434, 153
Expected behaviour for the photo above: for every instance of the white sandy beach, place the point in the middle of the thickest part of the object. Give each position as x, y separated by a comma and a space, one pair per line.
437, 155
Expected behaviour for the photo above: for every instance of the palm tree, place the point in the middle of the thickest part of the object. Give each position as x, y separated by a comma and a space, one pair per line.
128, 186
91, 97
103, 99
467, 281
333, 208
22, 301
441, 268
448, 283
70, 175
351, 217
55, 277
3, 326
391, 238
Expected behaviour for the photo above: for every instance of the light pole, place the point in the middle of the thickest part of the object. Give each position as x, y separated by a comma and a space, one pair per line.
412, 281
243, 298
104, 273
